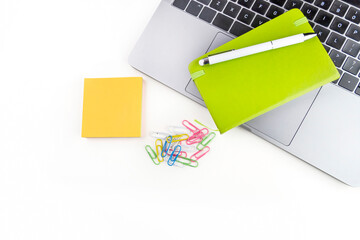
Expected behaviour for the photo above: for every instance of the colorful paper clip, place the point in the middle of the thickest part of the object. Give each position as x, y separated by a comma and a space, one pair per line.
190, 126
183, 141
179, 130
206, 141
196, 156
158, 147
180, 137
152, 154
187, 162
166, 146
187, 148
197, 137
159, 135
172, 158
182, 153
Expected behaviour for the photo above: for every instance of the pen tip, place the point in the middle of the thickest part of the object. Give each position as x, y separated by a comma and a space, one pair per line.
309, 35
201, 62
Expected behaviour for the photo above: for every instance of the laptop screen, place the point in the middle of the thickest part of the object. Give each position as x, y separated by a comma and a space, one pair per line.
353, 2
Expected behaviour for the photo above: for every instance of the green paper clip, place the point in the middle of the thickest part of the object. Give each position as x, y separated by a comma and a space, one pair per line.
187, 162
152, 154
206, 141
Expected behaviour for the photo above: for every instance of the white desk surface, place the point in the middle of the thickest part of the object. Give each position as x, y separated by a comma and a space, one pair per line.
56, 185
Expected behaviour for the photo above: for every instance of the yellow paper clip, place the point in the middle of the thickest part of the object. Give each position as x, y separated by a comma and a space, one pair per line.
152, 154
180, 137
158, 147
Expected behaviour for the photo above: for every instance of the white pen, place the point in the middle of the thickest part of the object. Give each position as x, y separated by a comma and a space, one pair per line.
262, 47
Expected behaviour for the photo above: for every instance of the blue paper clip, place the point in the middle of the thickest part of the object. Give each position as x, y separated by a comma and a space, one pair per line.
172, 159
166, 146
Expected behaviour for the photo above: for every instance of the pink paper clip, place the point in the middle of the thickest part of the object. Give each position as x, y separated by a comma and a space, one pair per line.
196, 156
190, 126
197, 137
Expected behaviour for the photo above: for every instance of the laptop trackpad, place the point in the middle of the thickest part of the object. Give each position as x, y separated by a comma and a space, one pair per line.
282, 123
220, 39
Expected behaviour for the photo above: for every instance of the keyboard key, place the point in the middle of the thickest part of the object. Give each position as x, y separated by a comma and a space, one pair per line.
239, 29
246, 3
323, 18
207, 14
181, 4
290, 4
232, 9
358, 91
206, 2
260, 6
194, 8
354, 32
309, 1
353, 15
274, 11
312, 24
339, 25
258, 21
352, 48
339, 8
218, 4
326, 48
309, 11
337, 57
325, 4
278, 2
349, 82
246, 16
335, 40
336, 81
322, 32
352, 66
222, 21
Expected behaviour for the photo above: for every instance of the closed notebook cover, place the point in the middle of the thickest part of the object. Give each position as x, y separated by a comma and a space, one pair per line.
239, 90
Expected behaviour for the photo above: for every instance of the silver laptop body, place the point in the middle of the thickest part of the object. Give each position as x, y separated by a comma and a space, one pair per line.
322, 127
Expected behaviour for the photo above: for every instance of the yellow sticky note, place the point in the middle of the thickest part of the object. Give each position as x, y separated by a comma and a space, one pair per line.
112, 107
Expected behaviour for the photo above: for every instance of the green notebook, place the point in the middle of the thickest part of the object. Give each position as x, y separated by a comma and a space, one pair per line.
239, 90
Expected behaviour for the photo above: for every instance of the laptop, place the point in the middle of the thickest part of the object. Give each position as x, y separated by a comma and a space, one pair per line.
321, 127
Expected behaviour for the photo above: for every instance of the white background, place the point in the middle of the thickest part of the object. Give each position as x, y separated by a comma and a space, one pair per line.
56, 185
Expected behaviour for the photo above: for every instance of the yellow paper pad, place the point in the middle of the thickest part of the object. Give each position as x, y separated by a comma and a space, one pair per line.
112, 107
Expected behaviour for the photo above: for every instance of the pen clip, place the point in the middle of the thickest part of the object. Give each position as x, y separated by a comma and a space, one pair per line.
221, 53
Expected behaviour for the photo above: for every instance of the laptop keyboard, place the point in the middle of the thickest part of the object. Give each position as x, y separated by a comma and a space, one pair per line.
335, 22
